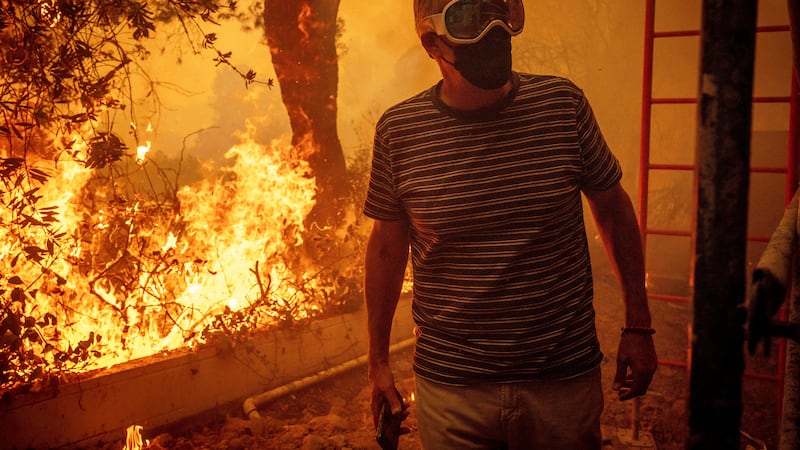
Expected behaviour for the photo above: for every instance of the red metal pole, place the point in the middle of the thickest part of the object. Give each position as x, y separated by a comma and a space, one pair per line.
647, 98
794, 142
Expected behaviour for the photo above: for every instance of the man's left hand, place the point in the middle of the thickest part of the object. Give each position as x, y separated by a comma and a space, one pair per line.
636, 365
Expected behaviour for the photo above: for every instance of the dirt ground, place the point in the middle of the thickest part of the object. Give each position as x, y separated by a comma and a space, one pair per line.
334, 414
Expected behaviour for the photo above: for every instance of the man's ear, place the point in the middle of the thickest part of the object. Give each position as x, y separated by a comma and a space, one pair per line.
429, 43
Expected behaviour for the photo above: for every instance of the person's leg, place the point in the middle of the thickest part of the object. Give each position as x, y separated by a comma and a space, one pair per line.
459, 417
557, 415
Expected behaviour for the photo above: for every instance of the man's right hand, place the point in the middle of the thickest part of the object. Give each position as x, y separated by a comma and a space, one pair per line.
767, 296
384, 391
382, 386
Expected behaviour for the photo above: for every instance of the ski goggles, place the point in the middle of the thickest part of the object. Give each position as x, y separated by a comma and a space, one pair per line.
468, 21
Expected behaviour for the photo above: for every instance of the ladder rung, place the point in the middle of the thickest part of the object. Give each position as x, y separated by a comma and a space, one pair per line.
690, 100
665, 100
669, 298
679, 233
688, 167
768, 169
686, 33
786, 99
677, 33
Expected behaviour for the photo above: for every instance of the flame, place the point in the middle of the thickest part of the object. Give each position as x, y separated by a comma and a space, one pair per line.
171, 243
50, 12
304, 21
141, 152
223, 251
133, 438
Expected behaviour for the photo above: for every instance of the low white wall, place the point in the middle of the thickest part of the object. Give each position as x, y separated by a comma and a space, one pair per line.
163, 390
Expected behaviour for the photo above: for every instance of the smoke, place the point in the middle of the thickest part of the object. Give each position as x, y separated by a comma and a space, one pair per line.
596, 43
380, 63
383, 63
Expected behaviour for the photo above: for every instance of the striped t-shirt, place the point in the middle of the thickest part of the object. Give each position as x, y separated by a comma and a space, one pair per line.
502, 278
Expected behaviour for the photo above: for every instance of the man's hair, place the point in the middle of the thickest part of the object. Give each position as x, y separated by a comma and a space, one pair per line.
423, 9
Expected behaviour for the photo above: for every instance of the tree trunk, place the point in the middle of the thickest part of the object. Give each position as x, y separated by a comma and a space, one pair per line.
301, 35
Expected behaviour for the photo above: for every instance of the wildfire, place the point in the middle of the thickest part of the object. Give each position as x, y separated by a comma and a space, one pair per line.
50, 12
133, 438
142, 150
137, 276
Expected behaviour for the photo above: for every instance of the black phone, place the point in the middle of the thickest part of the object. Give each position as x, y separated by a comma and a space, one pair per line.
388, 432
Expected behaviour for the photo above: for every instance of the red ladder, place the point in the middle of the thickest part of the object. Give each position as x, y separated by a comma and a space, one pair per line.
646, 166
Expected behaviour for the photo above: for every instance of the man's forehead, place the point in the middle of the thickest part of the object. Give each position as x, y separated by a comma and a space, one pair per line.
424, 8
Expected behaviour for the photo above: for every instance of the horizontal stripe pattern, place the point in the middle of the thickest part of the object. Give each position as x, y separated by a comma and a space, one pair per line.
502, 278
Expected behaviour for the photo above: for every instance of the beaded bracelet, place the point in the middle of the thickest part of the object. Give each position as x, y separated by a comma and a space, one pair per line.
638, 330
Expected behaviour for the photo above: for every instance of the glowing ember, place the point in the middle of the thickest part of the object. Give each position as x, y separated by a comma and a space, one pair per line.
305, 21
50, 12
141, 152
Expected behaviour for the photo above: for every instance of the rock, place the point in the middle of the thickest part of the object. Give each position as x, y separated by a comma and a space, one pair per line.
339, 441
235, 426
329, 424
268, 425
339, 407
294, 433
239, 443
313, 442
163, 440
257, 427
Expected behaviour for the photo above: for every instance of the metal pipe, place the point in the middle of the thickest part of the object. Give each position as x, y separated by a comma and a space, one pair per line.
251, 404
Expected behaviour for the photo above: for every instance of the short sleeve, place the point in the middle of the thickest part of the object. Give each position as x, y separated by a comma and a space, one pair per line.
600, 168
381, 201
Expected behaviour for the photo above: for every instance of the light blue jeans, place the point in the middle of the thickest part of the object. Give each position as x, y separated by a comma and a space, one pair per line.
533, 415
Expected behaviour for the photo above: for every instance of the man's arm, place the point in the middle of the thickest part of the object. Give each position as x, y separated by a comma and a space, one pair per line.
771, 281
384, 270
616, 222
777, 257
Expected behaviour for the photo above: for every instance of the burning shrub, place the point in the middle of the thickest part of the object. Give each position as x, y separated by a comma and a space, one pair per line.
104, 255
124, 273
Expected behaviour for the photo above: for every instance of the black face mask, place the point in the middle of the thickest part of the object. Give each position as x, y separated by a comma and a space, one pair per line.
486, 63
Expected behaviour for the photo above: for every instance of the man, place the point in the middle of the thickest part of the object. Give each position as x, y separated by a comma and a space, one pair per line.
776, 275
482, 175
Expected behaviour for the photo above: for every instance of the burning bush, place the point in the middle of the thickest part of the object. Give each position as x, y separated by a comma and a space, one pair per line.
107, 254
104, 273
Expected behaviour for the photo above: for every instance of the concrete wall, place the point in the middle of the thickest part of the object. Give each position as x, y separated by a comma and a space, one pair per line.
158, 391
